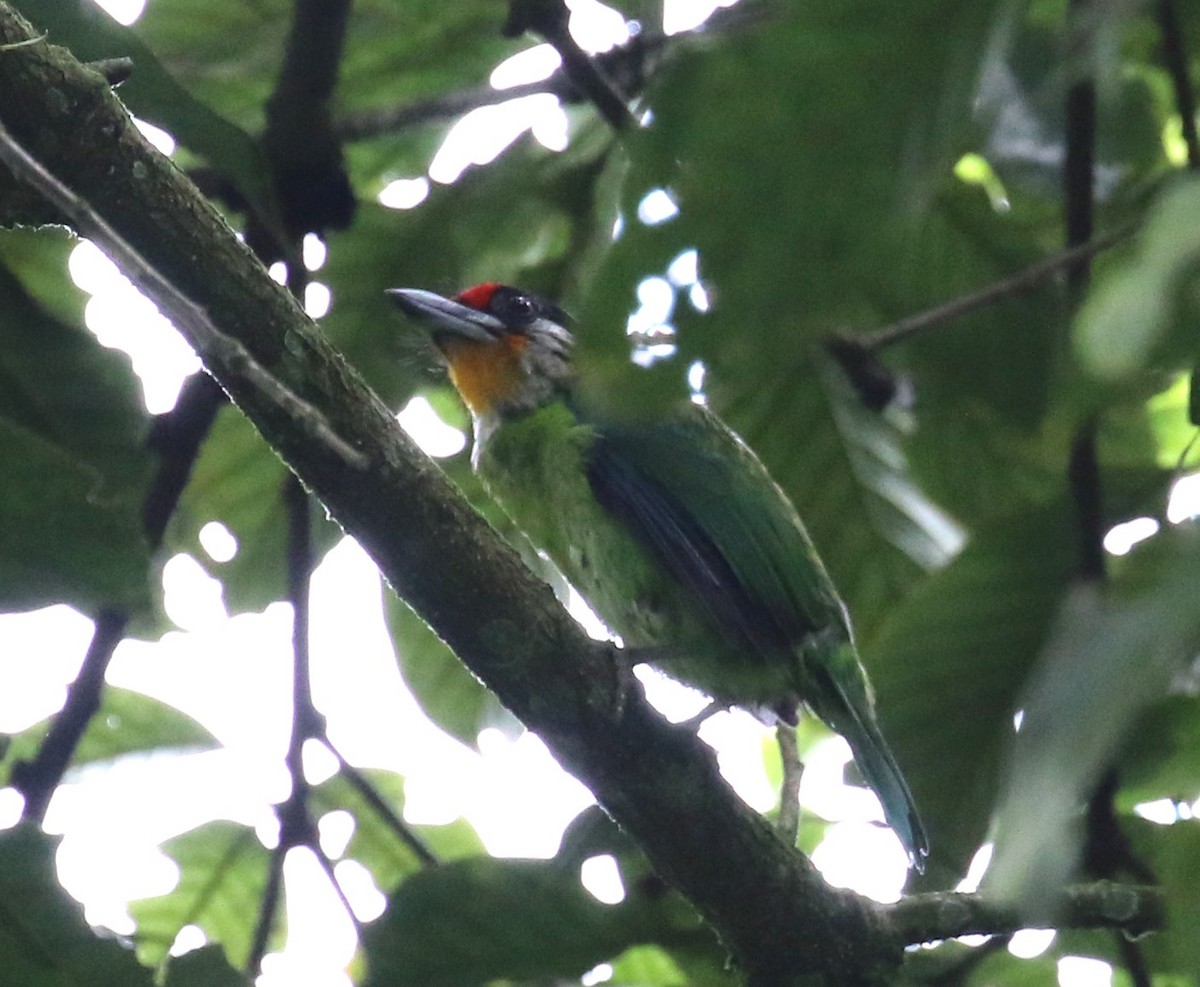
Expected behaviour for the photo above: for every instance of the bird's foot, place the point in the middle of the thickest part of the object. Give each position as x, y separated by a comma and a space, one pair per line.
626, 684
693, 723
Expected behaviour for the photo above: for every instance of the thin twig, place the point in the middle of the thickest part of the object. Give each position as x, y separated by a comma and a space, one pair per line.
1133, 960
1029, 279
1079, 167
176, 439
38, 779
267, 910
958, 972
361, 784
627, 62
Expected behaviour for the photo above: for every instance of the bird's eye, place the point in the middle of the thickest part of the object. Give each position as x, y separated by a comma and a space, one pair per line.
521, 307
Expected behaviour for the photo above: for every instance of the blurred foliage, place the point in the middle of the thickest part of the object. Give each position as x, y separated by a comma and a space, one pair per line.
810, 152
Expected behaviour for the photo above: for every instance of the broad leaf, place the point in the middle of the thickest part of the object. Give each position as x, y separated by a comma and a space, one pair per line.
73, 427
44, 940
522, 919
375, 844
154, 94
127, 723
948, 667
239, 481
1143, 313
204, 967
223, 875
1114, 651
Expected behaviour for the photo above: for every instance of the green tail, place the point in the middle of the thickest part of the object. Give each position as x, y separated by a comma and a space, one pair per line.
846, 705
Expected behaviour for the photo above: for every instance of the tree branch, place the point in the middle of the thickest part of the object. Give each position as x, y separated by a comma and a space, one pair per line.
1079, 206
551, 19
626, 64
301, 145
770, 906
1177, 67
1133, 909
1023, 281
38, 779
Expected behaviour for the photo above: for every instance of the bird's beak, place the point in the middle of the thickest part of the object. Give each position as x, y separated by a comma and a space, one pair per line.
444, 315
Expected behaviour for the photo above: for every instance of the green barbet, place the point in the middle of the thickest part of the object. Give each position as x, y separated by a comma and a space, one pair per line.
672, 530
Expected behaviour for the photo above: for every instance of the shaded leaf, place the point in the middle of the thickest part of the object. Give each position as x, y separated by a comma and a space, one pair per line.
153, 93
787, 255
1114, 650
72, 423
204, 967
1141, 313
1162, 757
448, 693
524, 919
948, 666
44, 940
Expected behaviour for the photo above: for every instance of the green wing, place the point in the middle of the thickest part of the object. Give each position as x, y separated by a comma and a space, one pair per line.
703, 504
700, 501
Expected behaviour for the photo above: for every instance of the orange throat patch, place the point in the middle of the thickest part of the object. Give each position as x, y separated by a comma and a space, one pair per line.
485, 374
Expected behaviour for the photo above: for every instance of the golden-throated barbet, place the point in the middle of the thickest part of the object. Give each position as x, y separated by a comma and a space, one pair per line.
672, 530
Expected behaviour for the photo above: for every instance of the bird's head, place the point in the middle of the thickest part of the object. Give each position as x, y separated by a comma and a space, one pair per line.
508, 352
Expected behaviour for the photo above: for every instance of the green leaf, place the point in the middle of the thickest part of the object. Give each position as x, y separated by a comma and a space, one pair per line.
523, 919
65, 537
1172, 854
1143, 311
153, 94
449, 694
1114, 650
229, 53
44, 940
374, 844
71, 417
1162, 756
798, 237
223, 875
948, 666
238, 480
127, 723
647, 965
1022, 102
847, 475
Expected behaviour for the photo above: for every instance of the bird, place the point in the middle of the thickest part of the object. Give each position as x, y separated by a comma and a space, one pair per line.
672, 529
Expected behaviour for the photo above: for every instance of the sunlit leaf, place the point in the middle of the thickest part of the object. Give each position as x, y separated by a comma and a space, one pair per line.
223, 875
239, 481
126, 723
